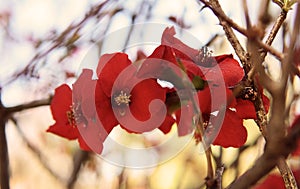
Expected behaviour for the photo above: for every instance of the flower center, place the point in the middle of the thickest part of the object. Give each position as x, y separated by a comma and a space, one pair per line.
74, 115
122, 98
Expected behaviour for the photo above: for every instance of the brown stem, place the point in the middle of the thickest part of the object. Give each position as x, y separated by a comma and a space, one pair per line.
4, 161
281, 18
287, 174
210, 180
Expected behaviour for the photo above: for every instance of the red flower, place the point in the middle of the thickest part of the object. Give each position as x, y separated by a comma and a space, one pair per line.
170, 59
73, 113
62, 113
123, 98
175, 55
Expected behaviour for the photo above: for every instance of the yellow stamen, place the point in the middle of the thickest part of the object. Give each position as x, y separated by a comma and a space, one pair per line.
122, 98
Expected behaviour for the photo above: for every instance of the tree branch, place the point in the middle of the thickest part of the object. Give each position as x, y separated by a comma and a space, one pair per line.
36, 151
33, 104
79, 158
268, 160
239, 50
4, 161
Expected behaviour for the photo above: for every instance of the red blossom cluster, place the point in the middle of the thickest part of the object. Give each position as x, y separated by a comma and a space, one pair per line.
129, 94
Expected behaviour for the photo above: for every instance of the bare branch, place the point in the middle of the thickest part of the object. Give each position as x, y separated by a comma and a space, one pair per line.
268, 160
36, 152
33, 104
79, 158
227, 23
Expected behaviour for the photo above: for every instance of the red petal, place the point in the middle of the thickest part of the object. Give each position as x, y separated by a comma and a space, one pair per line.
163, 64
204, 97
64, 130
60, 105
227, 70
92, 137
82, 83
109, 68
232, 132
156, 63
214, 98
104, 109
182, 50
166, 126
141, 96
245, 109
61, 102
84, 93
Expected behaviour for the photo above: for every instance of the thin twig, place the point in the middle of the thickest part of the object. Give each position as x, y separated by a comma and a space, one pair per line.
36, 152
210, 178
65, 38
239, 50
227, 23
264, 17
33, 104
79, 158
207, 44
246, 13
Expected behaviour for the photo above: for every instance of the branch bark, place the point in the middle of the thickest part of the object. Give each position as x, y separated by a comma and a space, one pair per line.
4, 161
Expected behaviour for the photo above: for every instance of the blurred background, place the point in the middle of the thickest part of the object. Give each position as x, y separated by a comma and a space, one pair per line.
44, 43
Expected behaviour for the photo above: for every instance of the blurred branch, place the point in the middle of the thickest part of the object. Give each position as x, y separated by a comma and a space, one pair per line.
239, 50
278, 145
264, 17
268, 160
33, 104
66, 38
228, 23
79, 158
36, 152
212, 40
254, 44
210, 178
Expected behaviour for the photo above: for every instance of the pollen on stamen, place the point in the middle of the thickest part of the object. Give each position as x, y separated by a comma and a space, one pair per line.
71, 117
122, 98
74, 115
